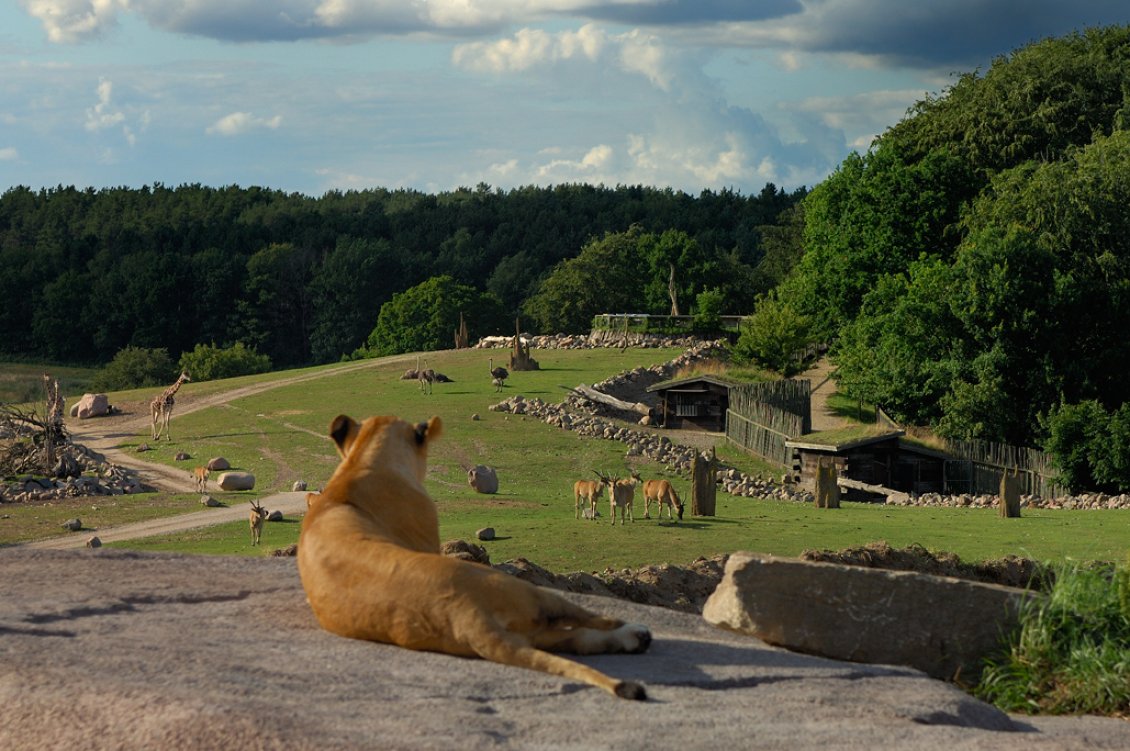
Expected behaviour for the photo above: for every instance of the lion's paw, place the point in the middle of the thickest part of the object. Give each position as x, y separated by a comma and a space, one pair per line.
634, 638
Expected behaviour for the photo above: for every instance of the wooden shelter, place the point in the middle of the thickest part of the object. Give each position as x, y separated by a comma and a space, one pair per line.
695, 403
882, 460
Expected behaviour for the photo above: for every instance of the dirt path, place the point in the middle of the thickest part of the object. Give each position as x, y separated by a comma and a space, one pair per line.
823, 418
105, 434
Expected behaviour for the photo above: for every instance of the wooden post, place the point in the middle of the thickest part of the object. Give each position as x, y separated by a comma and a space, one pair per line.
461, 336
520, 354
704, 487
827, 489
1010, 494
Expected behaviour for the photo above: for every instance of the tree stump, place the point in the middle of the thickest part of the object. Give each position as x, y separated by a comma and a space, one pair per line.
520, 356
704, 487
827, 489
1010, 495
462, 338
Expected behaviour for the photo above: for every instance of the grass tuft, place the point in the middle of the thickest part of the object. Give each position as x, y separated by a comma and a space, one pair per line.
1071, 653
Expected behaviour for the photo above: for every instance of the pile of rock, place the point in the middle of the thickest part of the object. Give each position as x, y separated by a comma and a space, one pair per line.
1085, 502
595, 340
89, 474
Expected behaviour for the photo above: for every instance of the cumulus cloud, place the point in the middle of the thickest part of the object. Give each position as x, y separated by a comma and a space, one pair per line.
238, 123
103, 115
9, 154
634, 51
74, 20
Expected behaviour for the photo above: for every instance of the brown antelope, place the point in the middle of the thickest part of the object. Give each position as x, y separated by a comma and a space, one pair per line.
621, 494
663, 493
258, 515
200, 475
589, 491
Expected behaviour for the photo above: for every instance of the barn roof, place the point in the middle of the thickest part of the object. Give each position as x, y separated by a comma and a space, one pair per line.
682, 383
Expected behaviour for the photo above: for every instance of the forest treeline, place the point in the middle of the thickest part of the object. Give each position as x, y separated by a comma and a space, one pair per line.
972, 269
89, 272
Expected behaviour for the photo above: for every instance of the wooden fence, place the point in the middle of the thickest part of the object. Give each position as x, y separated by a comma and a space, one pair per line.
977, 468
762, 416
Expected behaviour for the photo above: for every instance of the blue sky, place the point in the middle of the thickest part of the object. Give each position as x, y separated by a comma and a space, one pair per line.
317, 95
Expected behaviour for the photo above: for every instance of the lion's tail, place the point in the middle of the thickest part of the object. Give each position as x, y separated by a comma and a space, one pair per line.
510, 651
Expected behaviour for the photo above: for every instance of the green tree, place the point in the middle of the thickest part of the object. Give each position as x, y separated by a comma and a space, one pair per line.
424, 317
275, 312
135, 367
209, 362
773, 336
607, 277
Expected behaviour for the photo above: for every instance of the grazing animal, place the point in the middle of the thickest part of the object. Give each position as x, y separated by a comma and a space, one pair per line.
589, 492
663, 493
200, 475
161, 407
498, 375
621, 494
256, 519
369, 560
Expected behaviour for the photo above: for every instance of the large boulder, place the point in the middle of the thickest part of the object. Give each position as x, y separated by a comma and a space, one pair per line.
218, 464
91, 405
483, 479
941, 625
113, 649
236, 481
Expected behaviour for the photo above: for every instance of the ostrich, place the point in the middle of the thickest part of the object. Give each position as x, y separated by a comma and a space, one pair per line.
498, 375
427, 377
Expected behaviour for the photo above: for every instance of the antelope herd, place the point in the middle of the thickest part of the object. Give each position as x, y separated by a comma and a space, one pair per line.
621, 496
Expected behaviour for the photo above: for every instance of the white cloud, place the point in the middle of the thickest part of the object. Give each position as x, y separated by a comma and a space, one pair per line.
103, 115
9, 154
74, 20
634, 52
238, 123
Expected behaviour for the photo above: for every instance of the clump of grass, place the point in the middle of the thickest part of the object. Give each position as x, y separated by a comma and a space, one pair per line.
1071, 653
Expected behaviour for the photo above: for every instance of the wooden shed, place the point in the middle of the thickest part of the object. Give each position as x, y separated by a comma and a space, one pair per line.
695, 403
883, 459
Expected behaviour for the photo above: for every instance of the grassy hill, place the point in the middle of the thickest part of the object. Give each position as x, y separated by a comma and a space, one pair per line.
280, 435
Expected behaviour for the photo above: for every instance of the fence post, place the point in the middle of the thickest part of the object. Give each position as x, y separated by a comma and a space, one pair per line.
704, 488
827, 489
1010, 494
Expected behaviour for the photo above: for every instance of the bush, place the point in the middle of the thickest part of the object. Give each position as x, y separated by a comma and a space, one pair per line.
135, 367
1072, 651
708, 311
773, 336
210, 363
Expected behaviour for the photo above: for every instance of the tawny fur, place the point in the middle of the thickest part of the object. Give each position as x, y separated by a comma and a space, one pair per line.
621, 495
200, 475
589, 492
663, 493
369, 560
255, 519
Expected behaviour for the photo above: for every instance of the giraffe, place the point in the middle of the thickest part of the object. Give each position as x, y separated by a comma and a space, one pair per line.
162, 408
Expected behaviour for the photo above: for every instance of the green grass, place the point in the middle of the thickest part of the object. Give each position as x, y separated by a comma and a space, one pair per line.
1072, 651
22, 383
280, 435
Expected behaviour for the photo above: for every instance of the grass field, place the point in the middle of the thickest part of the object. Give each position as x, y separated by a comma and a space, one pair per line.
23, 382
280, 436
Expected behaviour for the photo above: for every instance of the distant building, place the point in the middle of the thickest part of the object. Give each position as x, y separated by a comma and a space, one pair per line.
695, 403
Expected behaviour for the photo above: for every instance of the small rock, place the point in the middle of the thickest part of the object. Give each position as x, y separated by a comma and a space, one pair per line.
181, 456
72, 525
485, 534
218, 464
483, 479
209, 501
94, 542
275, 516
475, 417
143, 447
299, 485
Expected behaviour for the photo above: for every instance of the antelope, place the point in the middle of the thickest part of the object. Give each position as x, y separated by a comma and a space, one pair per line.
663, 493
200, 475
621, 493
256, 518
589, 491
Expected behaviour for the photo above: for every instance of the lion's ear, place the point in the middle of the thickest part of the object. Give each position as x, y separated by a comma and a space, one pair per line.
435, 428
427, 432
343, 430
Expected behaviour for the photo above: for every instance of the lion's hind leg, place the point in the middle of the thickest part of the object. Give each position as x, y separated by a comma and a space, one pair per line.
567, 627
512, 649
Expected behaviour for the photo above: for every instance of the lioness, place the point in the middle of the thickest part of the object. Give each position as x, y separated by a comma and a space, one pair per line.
369, 560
